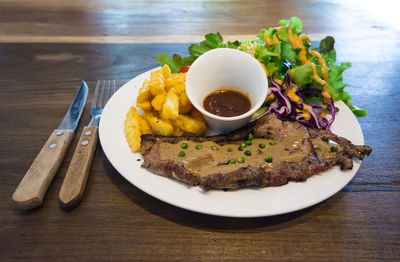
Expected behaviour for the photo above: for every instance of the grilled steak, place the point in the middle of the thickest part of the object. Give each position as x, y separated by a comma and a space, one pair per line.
267, 152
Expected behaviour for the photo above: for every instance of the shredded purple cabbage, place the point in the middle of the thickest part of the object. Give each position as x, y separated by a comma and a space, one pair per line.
286, 109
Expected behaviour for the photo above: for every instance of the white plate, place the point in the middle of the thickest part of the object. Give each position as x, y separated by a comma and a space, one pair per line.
248, 202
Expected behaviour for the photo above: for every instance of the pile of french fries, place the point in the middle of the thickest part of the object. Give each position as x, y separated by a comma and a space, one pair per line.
166, 109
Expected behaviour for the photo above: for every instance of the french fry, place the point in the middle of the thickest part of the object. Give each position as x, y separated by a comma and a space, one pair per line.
178, 132
157, 82
144, 127
132, 136
196, 114
172, 81
158, 101
190, 125
144, 92
134, 127
158, 126
170, 109
184, 104
180, 87
145, 105
182, 76
200, 120
166, 71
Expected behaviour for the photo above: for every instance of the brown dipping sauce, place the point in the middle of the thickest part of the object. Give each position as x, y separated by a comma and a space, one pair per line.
226, 103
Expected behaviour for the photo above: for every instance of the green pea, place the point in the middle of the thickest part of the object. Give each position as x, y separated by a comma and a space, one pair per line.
184, 145
261, 145
181, 154
251, 137
230, 149
247, 153
268, 159
214, 148
325, 138
232, 161
272, 143
198, 147
240, 159
248, 142
334, 148
242, 145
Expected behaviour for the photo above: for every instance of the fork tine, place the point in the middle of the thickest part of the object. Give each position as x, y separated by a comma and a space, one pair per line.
101, 98
110, 90
104, 90
96, 94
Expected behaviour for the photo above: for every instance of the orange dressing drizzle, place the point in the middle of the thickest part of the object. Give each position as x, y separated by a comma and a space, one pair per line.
268, 40
278, 81
271, 97
306, 113
263, 66
297, 43
292, 94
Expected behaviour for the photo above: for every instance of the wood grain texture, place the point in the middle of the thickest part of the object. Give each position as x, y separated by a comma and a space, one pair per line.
74, 184
116, 221
33, 187
101, 21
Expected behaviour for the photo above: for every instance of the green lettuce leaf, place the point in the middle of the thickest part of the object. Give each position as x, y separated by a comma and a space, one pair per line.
297, 25
302, 75
211, 41
176, 63
327, 50
336, 85
288, 52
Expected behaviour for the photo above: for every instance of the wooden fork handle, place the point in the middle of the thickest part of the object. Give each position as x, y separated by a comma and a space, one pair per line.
33, 187
75, 180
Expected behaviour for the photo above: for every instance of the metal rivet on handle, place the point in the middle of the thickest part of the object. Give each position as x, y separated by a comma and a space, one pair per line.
52, 146
85, 142
88, 133
59, 132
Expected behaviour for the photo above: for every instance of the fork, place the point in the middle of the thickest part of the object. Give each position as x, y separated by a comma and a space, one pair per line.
73, 187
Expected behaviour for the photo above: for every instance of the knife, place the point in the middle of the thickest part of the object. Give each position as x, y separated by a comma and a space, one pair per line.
33, 187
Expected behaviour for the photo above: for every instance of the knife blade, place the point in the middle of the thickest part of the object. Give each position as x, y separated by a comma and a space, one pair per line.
33, 187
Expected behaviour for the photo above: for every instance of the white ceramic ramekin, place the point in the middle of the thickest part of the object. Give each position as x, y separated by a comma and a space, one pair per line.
224, 67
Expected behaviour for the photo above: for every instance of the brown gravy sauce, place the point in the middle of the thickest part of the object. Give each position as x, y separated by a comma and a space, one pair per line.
227, 103
323, 149
207, 161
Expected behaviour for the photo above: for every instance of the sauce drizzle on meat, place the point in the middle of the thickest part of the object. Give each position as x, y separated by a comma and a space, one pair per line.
215, 158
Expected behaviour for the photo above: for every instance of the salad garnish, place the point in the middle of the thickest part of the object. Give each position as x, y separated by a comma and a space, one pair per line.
305, 81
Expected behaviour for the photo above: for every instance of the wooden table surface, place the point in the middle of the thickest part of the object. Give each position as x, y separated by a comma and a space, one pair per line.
48, 47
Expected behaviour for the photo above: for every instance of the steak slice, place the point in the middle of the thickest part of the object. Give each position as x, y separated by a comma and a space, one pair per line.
297, 153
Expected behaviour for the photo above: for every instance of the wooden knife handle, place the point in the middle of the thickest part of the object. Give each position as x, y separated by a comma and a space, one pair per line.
33, 187
74, 184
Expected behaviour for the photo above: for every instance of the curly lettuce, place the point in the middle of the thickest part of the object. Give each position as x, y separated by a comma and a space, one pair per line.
335, 84
211, 41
